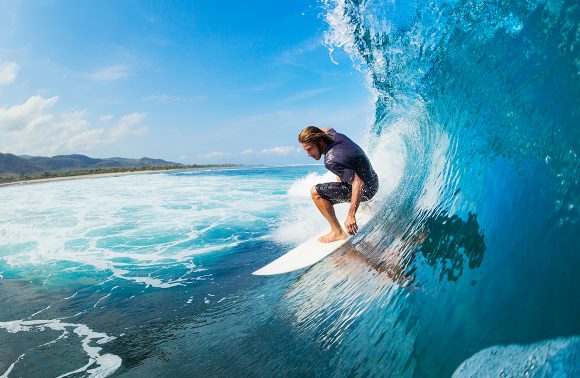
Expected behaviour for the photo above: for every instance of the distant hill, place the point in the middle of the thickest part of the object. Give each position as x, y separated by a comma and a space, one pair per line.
23, 165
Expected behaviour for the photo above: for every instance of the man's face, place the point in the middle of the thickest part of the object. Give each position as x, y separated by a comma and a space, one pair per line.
312, 150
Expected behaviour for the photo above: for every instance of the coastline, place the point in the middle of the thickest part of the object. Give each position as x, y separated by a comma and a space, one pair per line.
93, 175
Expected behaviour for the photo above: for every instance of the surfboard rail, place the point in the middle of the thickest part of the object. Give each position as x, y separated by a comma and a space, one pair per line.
303, 256
306, 254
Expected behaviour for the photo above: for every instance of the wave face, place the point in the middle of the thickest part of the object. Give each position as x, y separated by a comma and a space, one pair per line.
477, 245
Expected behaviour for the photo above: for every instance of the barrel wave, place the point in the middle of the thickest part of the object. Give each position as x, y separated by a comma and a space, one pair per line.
477, 245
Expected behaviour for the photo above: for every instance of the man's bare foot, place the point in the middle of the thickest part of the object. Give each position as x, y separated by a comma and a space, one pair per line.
333, 236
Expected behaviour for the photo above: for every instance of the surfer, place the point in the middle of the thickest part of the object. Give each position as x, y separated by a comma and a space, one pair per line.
357, 180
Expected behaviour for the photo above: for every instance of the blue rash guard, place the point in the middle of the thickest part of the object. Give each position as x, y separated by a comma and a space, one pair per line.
344, 158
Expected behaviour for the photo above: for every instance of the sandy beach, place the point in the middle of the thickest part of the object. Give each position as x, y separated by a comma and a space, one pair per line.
87, 176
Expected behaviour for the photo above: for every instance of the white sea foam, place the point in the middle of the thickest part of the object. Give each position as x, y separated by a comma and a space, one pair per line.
553, 358
5, 375
39, 311
303, 220
104, 364
133, 225
387, 155
300, 188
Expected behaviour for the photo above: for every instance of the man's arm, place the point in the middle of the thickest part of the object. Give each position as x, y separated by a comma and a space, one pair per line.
350, 222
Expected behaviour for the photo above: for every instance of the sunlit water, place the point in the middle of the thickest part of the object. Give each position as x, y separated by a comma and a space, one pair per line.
120, 260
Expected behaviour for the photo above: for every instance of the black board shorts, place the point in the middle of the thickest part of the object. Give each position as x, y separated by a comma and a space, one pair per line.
340, 191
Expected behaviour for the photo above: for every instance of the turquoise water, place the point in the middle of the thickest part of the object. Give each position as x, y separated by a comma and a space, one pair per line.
122, 262
469, 267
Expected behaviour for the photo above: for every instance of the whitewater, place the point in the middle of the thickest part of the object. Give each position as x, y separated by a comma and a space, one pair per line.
468, 268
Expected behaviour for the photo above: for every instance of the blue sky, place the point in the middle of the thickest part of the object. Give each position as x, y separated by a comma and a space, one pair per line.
194, 82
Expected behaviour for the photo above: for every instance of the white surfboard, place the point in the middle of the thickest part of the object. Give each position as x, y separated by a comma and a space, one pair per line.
306, 254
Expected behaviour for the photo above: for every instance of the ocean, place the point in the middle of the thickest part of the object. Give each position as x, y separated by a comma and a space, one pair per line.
469, 266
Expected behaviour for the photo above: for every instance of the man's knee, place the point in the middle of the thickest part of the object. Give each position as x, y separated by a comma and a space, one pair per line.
314, 193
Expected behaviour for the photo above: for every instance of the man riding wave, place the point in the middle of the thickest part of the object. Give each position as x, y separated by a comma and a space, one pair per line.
357, 179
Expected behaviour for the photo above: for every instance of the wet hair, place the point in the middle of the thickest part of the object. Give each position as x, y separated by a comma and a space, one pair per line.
313, 134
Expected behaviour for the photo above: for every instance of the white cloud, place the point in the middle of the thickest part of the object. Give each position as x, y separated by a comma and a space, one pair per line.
29, 114
213, 155
106, 118
295, 55
35, 128
111, 73
129, 125
280, 150
8, 72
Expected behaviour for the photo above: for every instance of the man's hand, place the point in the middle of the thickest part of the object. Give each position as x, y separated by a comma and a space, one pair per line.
350, 224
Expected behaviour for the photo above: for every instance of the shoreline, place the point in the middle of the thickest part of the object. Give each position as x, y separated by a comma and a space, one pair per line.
95, 175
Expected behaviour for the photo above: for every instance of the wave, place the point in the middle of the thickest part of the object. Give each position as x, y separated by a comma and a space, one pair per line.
475, 244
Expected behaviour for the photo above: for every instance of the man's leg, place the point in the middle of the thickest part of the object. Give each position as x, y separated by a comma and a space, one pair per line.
327, 210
